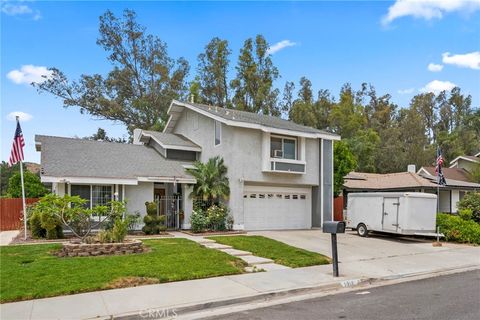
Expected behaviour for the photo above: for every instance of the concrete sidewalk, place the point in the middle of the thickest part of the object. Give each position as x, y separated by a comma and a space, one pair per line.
6, 237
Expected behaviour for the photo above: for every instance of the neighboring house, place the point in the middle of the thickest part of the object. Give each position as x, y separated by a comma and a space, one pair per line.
449, 194
466, 162
280, 173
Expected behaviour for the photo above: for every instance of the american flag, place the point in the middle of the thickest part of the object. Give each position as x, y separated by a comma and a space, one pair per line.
17, 148
438, 168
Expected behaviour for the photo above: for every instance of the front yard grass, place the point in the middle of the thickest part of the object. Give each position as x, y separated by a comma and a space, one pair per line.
31, 271
279, 252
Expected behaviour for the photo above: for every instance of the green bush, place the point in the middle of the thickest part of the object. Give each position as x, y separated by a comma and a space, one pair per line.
471, 201
120, 230
198, 221
36, 229
465, 214
217, 216
154, 224
457, 229
43, 223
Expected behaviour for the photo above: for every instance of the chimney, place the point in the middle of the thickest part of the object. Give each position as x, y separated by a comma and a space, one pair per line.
411, 168
136, 136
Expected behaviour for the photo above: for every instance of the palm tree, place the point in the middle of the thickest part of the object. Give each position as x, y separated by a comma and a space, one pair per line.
212, 181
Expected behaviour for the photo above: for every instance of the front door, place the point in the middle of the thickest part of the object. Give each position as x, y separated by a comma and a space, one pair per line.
159, 196
390, 214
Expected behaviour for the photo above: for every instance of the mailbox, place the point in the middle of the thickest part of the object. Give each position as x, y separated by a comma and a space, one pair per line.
334, 227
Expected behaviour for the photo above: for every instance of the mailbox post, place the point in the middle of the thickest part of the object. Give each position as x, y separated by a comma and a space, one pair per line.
334, 227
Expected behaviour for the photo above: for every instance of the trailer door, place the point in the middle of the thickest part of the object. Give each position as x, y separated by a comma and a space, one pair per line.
390, 214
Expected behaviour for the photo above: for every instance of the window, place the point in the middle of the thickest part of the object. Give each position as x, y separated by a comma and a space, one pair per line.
96, 195
83, 191
218, 132
285, 148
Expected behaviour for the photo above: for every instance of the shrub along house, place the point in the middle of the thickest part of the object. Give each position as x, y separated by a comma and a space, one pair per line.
280, 173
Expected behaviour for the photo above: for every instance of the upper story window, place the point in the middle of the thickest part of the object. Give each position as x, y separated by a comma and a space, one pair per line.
218, 132
283, 147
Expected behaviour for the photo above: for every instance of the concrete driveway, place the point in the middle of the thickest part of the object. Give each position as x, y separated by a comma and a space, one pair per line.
381, 255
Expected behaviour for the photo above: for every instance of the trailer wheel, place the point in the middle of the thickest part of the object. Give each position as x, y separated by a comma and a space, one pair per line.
362, 230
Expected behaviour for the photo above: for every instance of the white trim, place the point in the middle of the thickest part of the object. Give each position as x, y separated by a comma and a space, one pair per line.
242, 124
463, 158
167, 179
333, 183
283, 138
424, 171
322, 185
477, 155
169, 146
89, 180
288, 160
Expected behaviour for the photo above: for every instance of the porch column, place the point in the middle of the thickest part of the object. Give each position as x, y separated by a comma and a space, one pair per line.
187, 205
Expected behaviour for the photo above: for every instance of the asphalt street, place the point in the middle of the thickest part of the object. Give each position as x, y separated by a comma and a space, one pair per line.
455, 296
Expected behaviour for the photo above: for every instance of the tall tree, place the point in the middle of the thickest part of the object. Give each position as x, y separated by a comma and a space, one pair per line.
253, 86
212, 72
143, 81
287, 100
347, 117
101, 134
343, 162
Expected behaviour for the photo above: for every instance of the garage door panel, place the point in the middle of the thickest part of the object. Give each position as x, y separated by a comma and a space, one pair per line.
268, 208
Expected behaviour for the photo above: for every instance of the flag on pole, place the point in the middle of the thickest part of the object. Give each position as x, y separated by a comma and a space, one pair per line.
17, 148
438, 168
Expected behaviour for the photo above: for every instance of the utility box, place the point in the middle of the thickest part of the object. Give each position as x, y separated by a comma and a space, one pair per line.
407, 213
334, 227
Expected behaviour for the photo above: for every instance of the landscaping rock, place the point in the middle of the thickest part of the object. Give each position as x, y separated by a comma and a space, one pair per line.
75, 249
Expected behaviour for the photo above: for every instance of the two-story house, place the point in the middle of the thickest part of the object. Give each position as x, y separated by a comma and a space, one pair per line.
280, 173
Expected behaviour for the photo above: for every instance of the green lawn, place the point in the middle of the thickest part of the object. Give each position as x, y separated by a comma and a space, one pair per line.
31, 271
278, 251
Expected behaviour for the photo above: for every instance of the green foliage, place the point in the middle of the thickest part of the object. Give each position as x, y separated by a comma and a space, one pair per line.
476, 173
465, 214
43, 222
471, 201
151, 208
198, 221
33, 186
154, 223
6, 173
343, 163
253, 85
212, 181
278, 251
212, 73
457, 229
365, 145
101, 134
120, 230
141, 84
217, 216
32, 272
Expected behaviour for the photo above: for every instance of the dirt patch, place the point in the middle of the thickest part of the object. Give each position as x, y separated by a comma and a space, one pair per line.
126, 282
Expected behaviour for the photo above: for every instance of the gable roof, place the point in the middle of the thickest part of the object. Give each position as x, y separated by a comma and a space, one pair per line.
76, 159
172, 140
449, 173
246, 120
474, 159
399, 181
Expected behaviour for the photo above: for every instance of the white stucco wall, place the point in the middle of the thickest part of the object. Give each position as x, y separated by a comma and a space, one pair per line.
137, 195
241, 149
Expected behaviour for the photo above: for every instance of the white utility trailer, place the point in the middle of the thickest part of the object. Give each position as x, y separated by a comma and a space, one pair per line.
407, 213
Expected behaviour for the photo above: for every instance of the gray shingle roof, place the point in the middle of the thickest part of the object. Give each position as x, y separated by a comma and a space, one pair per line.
69, 157
260, 119
171, 139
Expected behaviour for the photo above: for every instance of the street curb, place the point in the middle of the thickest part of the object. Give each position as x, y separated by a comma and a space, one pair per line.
264, 297
257, 298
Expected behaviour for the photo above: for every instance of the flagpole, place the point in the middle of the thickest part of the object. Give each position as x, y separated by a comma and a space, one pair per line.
23, 196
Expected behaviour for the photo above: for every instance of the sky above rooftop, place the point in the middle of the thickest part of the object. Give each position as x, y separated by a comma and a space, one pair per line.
401, 47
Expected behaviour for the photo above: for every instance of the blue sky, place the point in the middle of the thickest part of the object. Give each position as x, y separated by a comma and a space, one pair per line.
389, 44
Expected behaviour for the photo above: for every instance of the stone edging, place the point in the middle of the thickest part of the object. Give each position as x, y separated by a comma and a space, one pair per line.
71, 249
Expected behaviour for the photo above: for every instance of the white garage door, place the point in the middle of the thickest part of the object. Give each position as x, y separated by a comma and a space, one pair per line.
268, 208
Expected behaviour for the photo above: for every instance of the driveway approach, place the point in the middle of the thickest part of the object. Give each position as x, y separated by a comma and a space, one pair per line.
382, 255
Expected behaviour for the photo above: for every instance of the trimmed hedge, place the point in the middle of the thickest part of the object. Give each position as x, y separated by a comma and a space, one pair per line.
457, 229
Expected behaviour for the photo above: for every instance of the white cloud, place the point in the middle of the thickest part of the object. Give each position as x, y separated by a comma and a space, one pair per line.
437, 86
468, 60
280, 45
22, 115
406, 91
428, 9
435, 67
19, 8
28, 74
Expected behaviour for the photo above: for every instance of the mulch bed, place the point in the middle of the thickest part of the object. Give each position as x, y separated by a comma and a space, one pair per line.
213, 233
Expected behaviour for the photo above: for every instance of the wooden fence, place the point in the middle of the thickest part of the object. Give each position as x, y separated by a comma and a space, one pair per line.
11, 212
